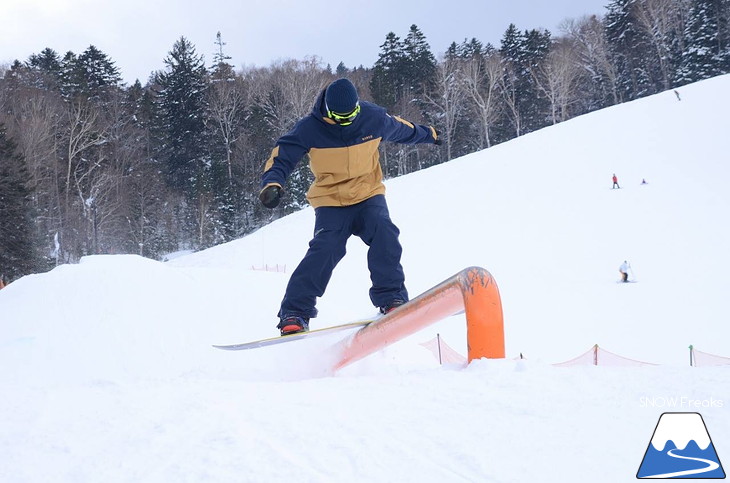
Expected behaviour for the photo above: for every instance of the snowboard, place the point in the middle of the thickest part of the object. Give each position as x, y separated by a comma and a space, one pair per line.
292, 337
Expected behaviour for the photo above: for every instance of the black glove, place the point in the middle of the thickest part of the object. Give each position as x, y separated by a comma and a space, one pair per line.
270, 196
438, 141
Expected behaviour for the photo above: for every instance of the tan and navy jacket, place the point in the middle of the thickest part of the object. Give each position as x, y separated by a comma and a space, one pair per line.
344, 159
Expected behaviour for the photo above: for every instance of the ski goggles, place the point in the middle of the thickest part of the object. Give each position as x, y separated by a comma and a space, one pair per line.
344, 119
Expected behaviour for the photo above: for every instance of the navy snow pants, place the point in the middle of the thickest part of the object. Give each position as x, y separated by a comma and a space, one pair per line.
368, 220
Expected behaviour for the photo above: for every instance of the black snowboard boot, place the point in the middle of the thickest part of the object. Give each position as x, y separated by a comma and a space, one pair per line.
293, 324
391, 306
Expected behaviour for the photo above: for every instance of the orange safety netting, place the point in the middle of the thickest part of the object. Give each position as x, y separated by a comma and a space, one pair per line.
596, 356
270, 268
442, 352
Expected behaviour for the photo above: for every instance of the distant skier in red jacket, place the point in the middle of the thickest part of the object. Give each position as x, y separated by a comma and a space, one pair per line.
615, 182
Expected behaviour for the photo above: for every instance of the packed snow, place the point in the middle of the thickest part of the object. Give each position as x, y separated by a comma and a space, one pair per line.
108, 373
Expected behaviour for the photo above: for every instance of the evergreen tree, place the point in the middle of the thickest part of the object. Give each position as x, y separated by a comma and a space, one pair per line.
662, 24
183, 138
706, 54
18, 255
629, 49
70, 85
387, 80
418, 63
404, 72
725, 34
226, 113
148, 227
511, 45
597, 85
521, 53
141, 102
510, 85
181, 108
724, 29
91, 75
341, 70
474, 49
222, 70
452, 52
534, 106
47, 66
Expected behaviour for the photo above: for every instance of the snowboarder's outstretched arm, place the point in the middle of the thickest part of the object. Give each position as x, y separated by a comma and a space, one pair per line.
398, 130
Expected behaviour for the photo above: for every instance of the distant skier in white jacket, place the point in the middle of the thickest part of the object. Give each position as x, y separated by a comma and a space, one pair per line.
624, 271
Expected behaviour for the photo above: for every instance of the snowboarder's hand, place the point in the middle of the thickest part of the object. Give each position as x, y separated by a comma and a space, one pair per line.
437, 141
270, 196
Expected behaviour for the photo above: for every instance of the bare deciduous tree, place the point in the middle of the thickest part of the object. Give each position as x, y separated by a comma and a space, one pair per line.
34, 116
146, 198
82, 134
286, 91
664, 25
227, 101
481, 78
593, 56
448, 98
510, 96
556, 77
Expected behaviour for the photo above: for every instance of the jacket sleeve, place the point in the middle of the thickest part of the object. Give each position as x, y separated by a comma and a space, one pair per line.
399, 130
288, 151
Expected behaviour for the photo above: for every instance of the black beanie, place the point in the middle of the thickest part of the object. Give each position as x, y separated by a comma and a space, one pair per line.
341, 96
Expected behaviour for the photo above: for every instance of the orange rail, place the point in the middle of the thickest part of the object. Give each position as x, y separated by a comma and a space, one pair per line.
472, 290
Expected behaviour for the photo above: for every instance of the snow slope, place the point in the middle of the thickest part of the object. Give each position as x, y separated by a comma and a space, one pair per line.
107, 374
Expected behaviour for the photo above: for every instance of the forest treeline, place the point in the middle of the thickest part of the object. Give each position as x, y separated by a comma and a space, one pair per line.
90, 165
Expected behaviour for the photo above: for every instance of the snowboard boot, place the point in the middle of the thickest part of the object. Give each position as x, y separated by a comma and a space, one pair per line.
293, 324
391, 306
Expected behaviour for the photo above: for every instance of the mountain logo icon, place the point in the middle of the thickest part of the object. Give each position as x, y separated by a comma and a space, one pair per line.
681, 448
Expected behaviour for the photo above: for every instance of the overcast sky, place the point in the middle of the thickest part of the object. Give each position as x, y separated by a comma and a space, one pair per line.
138, 34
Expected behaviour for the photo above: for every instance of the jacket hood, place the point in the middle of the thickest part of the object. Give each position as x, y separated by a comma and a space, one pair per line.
319, 110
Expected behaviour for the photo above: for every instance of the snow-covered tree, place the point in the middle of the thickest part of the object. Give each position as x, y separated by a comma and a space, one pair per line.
448, 99
556, 78
597, 86
419, 64
386, 82
18, 254
182, 110
91, 75
521, 53
48, 68
630, 50
707, 51
182, 107
663, 24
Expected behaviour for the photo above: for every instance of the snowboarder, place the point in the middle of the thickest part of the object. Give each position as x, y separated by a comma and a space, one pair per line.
615, 182
341, 135
624, 271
